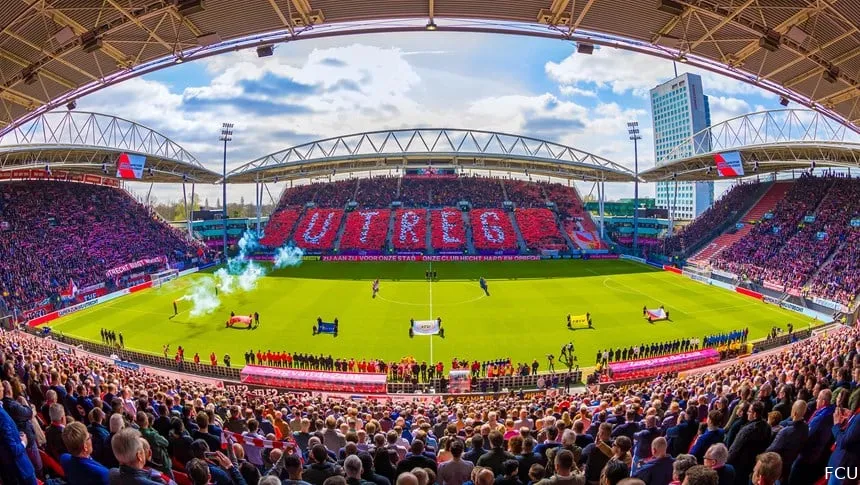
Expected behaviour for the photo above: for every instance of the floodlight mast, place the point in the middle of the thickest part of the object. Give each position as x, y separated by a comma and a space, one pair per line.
633, 131
226, 136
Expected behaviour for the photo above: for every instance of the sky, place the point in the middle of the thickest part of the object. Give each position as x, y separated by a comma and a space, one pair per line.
321, 88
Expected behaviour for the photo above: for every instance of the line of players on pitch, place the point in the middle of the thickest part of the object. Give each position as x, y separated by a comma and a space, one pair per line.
431, 275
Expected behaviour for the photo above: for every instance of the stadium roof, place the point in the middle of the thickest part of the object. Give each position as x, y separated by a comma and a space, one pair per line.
53, 51
768, 141
441, 147
90, 143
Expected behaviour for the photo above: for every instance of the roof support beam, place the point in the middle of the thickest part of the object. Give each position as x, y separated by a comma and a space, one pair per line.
61, 18
813, 51
280, 15
140, 24
4, 54
799, 17
581, 15
818, 70
722, 23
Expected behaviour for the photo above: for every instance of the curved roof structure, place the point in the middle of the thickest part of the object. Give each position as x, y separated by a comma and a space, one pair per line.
768, 141
89, 143
441, 147
53, 51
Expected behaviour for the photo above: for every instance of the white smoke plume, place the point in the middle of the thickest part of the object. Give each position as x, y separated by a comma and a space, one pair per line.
288, 256
202, 298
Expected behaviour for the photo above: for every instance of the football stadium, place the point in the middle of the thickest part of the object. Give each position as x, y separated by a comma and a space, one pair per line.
417, 303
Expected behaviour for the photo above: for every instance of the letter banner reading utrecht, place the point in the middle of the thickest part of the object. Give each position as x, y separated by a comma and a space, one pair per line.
130, 166
426, 327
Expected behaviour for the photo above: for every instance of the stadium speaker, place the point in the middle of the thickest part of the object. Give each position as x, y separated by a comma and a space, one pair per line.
831, 74
265, 50
770, 41
90, 42
72, 105
671, 7
584, 48
783, 100
29, 76
189, 7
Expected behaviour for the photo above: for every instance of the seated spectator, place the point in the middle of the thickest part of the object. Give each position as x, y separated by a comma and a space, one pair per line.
715, 459
129, 451
767, 470
700, 475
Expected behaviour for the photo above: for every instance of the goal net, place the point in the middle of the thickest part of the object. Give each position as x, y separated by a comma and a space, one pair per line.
162, 277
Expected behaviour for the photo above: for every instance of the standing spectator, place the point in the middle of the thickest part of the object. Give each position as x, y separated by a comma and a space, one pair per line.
790, 438
713, 435
157, 443
129, 451
715, 459
752, 439
566, 472
658, 469
78, 465
455, 471
332, 438
320, 468
16, 469
767, 470
846, 451
496, 457
54, 435
811, 460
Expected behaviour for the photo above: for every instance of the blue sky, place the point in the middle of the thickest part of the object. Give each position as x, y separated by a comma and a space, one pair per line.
327, 87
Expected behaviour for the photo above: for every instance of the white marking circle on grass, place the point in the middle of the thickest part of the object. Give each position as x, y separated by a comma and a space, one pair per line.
435, 302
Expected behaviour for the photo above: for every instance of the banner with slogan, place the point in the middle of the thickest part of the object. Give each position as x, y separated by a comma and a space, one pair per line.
134, 265
327, 327
130, 166
425, 327
579, 320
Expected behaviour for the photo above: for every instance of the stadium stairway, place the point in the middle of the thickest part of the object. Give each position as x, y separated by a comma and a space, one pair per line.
428, 237
389, 239
571, 246
470, 244
521, 242
340, 231
765, 204
289, 239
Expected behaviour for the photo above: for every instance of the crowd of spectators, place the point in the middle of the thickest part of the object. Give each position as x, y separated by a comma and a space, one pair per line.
787, 249
540, 229
377, 192
280, 226
54, 232
839, 279
483, 191
781, 416
731, 205
318, 228
410, 229
335, 194
299, 195
492, 230
525, 194
365, 230
447, 231
566, 200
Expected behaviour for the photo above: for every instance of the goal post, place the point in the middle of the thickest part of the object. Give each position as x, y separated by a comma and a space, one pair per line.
162, 277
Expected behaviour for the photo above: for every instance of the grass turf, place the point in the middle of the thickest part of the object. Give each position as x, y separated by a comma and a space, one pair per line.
523, 318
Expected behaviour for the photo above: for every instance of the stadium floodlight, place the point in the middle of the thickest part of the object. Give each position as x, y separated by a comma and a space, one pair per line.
682, 58
633, 131
226, 136
72, 105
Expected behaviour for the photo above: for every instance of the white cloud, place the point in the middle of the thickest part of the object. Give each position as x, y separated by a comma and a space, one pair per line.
724, 108
568, 90
624, 71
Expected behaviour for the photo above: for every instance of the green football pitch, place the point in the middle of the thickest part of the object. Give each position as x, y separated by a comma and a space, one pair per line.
523, 318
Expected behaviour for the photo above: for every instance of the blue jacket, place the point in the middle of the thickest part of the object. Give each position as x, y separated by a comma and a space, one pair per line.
705, 441
681, 436
642, 443
847, 450
656, 472
628, 429
83, 471
16, 468
788, 443
820, 436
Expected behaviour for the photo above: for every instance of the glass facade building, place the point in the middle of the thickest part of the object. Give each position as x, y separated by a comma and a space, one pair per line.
679, 110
